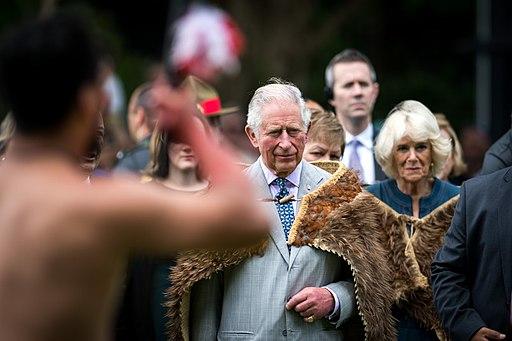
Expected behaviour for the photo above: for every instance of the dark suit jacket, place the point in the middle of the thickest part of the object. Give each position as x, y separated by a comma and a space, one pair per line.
499, 156
471, 274
379, 173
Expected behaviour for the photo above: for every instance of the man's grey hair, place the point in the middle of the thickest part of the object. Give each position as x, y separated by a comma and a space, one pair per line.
275, 91
347, 56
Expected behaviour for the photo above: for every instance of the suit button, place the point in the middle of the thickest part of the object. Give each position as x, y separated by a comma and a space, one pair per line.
285, 332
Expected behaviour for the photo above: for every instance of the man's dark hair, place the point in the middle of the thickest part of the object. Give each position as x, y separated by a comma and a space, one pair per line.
43, 64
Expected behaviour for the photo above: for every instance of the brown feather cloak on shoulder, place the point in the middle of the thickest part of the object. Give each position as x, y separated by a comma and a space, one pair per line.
388, 267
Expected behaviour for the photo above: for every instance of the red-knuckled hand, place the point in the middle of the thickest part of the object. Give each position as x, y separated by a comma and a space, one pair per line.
177, 113
484, 334
310, 301
175, 108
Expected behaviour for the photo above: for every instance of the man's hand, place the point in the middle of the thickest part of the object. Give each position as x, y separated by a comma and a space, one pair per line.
312, 303
484, 334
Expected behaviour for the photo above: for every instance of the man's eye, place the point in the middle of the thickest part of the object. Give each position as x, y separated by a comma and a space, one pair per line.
274, 133
293, 132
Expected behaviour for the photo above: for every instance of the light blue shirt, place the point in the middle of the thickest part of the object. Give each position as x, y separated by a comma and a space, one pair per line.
364, 150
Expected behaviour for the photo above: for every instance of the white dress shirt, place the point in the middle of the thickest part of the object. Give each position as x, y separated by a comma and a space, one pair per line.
364, 150
292, 184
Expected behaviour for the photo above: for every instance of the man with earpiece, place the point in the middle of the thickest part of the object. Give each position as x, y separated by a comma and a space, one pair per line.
352, 89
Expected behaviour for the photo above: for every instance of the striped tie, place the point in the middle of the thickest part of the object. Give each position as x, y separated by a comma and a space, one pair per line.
355, 162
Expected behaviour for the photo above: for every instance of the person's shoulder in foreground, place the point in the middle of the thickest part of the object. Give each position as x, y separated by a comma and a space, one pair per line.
64, 243
475, 254
499, 155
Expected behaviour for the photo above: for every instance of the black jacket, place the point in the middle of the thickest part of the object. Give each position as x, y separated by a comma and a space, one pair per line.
379, 173
472, 273
499, 156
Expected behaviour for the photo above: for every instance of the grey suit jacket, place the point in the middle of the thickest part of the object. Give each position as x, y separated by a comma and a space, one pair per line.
247, 302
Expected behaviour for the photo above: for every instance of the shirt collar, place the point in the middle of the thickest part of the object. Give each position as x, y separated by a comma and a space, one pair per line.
366, 137
293, 177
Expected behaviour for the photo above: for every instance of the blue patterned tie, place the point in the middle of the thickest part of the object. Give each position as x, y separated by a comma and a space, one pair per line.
285, 210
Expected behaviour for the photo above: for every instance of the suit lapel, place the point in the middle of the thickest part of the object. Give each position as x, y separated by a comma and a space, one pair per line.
309, 180
505, 231
263, 191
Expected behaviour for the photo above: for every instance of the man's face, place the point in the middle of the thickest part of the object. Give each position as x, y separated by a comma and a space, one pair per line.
281, 137
354, 92
90, 159
92, 101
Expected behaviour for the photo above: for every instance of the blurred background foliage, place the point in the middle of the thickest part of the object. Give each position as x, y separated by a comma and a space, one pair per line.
421, 49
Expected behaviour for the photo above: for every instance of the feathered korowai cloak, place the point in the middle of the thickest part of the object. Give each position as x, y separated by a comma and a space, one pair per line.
388, 267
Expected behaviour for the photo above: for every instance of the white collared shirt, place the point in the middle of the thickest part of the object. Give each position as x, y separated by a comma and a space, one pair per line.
364, 150
292, 184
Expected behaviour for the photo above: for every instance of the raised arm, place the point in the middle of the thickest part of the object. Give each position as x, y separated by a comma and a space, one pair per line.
155, 220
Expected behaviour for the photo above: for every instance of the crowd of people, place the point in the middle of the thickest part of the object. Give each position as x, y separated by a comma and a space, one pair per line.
189, 237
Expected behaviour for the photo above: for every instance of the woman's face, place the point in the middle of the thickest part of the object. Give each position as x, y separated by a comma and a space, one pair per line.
321, 151
412, 159
181, 157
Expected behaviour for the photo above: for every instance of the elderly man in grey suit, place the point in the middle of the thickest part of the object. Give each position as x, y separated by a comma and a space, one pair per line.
297, 293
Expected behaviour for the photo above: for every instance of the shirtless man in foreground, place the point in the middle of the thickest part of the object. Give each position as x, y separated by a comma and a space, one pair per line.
64, 244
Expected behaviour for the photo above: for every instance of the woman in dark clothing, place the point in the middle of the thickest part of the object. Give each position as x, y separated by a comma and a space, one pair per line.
174, 167
411, 150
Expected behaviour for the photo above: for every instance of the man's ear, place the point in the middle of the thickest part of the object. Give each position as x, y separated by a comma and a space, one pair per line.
140, 117
376, 90
252, 136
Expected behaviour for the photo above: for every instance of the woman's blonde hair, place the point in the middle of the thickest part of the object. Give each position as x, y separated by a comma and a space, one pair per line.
412, 119
459, 166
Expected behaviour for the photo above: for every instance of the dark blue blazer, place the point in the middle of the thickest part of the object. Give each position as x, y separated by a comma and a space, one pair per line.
472, 273
379, 173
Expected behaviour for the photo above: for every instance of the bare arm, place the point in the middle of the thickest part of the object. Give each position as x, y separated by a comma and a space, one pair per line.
149, 219
155, 220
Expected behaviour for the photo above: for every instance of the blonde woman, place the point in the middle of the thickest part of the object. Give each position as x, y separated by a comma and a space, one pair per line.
454, 167
411, 150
